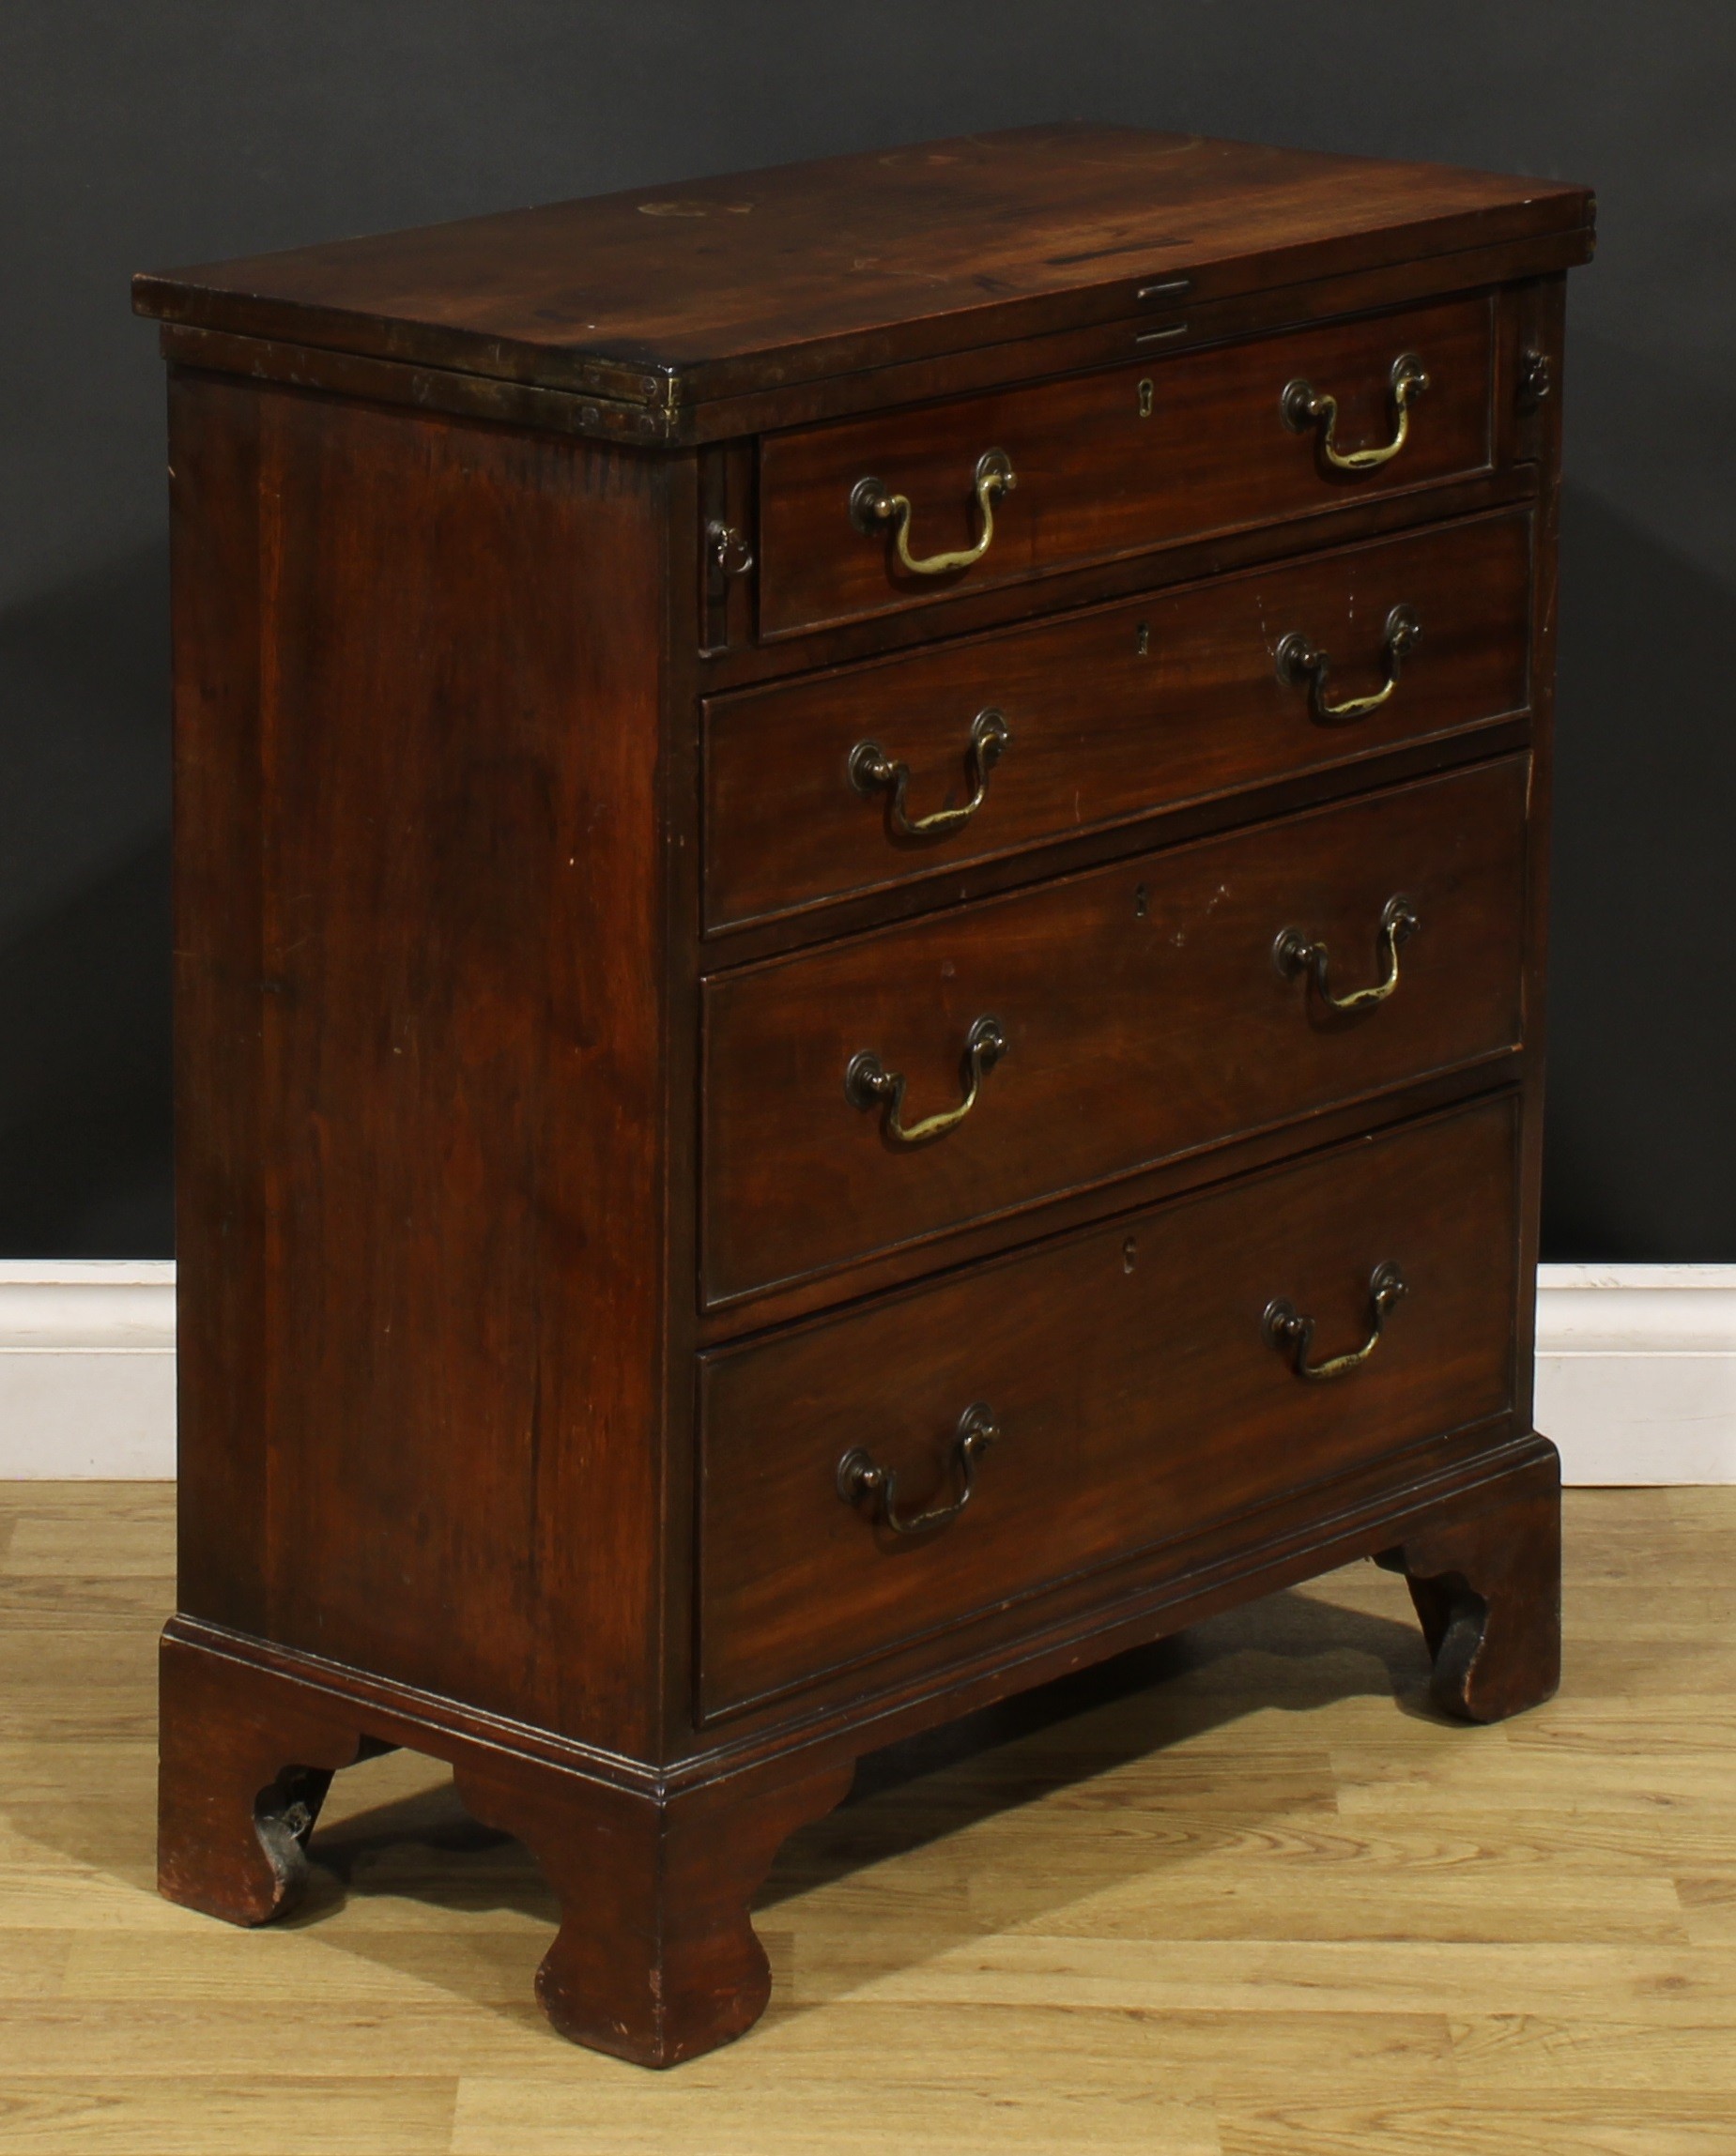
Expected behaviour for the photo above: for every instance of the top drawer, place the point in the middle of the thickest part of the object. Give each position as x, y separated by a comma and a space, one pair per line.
1115, 461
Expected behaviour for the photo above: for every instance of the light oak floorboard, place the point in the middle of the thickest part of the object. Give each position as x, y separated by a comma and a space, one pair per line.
273, 2113
1238, 1894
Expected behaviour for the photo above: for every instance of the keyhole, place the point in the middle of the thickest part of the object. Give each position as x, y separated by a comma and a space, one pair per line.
1128, 1251
1141, 900
1142, 642
1145, 400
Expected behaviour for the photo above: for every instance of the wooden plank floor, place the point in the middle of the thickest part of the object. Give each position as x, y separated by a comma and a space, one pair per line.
1238, 1896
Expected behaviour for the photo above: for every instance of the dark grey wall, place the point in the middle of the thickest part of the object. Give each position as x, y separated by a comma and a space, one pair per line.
184, 130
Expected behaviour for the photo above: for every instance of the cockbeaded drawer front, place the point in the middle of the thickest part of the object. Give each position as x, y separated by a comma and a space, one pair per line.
905, 1082
847, 782
870, 1478
912, 506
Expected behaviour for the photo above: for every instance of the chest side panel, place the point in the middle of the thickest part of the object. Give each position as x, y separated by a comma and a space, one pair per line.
418, 978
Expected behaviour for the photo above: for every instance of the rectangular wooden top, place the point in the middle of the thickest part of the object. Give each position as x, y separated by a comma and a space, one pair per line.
759, 281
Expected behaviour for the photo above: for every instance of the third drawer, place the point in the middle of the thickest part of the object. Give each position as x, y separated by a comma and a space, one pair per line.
1165, 1003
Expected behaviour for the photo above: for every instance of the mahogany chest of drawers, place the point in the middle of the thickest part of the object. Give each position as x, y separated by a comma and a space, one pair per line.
860, 865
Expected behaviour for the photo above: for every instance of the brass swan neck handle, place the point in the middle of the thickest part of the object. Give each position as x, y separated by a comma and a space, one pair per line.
874, 508
868, 1083
858, 1478
872, 770
1292, 1335
1296, 951
1304, 407
1299, 661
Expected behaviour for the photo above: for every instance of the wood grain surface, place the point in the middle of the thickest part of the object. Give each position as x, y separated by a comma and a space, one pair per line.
1135, 1398
720, 286
419, 937
1218, 1898
1112, 712
1142, 1014
1116, 461
476, 1128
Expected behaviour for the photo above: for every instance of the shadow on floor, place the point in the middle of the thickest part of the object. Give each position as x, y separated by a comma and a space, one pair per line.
1292, 1652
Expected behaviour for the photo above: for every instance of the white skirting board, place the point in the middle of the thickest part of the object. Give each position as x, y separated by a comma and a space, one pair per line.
1635, 1370
87, 1370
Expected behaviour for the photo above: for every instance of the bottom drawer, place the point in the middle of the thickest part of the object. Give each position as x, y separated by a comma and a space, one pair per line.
1137, 1388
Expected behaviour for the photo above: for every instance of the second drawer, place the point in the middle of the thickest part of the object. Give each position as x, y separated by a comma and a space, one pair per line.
1105, 1022
1103, 716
